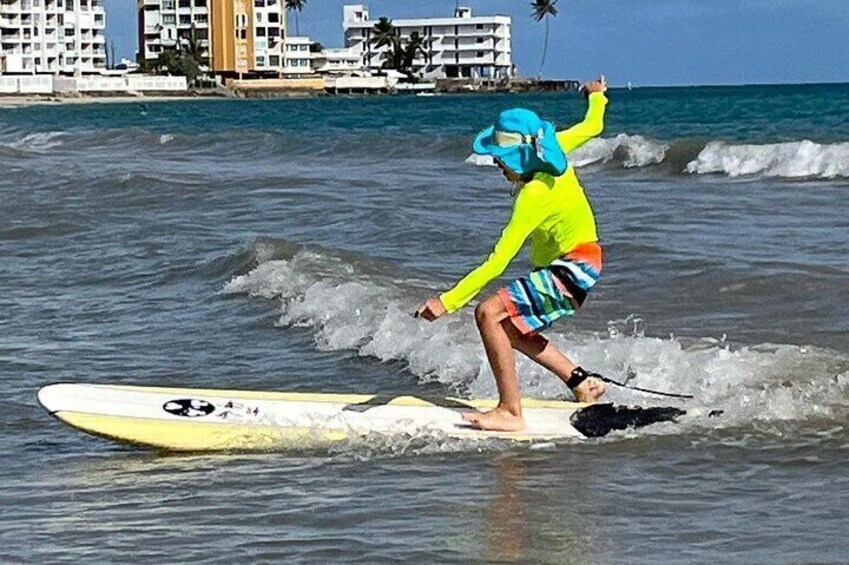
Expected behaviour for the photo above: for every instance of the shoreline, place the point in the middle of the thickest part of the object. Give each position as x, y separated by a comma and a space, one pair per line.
22, 101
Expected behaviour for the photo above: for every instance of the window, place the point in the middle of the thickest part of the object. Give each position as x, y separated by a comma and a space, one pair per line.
480, 54
185, 3
260, 32
274, 60
479, 26
274, 18
479, 40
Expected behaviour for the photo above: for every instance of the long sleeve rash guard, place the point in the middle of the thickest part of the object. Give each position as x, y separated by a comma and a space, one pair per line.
552, 211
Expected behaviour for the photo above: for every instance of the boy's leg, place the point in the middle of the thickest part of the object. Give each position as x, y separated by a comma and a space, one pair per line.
542, 351
507, 416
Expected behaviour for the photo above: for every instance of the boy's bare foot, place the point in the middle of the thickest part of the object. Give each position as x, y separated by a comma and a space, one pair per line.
590, 390
497, 420
471, 416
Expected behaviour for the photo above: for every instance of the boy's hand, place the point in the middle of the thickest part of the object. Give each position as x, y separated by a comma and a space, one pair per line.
598, 85
431, 310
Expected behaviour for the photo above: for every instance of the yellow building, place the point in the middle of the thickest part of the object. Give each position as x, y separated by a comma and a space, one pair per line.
232, 26
247, 37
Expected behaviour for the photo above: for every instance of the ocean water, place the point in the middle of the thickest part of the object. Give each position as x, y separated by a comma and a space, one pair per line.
283, 244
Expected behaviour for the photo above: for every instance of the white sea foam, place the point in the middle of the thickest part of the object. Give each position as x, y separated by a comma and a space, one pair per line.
39, 142
480, 160
166, 138
798, 159
765, 383
636, 150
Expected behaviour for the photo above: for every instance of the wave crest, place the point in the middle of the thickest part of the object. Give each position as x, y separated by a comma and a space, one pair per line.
629, 150
799, 159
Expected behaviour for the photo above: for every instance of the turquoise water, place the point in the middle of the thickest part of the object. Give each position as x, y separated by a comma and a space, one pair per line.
282, 244
764, 114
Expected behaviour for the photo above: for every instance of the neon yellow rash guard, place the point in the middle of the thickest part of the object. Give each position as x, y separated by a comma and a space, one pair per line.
552, 211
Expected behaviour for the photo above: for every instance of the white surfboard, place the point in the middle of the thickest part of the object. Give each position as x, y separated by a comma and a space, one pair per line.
181, 419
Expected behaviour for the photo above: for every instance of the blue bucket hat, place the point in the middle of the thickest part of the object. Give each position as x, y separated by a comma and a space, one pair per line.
524, 142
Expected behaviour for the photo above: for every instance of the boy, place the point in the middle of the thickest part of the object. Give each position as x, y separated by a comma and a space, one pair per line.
552, 209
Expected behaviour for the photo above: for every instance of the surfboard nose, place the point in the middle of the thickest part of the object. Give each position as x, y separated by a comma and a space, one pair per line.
51, 396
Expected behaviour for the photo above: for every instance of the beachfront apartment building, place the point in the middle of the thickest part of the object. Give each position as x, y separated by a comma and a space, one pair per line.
168, 24
338, 61
462, 46
52, 36
299, 56
238, 37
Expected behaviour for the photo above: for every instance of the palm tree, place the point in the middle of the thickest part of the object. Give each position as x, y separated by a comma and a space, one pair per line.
296, 6
399, 56
413, 48
192, 55
541, 10
384, 34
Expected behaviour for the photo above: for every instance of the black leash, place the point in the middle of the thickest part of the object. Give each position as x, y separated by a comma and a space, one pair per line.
648, 390
579, 375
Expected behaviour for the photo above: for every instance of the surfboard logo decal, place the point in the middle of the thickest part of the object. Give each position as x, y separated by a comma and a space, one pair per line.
189, 407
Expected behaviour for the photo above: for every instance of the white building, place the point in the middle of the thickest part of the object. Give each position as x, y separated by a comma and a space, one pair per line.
269, 36
299, 57
460, 46
52, 36
335, 61
162, 23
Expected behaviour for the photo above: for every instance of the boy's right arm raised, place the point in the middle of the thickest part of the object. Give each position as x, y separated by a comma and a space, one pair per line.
591, 127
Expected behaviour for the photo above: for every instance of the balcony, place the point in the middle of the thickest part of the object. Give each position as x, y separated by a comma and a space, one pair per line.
466, 48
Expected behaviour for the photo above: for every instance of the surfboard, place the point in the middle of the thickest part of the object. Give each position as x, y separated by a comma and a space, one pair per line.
185, 419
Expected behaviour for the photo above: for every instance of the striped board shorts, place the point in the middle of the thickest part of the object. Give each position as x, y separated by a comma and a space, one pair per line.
536, 300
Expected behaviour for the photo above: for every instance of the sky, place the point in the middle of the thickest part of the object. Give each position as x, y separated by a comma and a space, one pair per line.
645, 42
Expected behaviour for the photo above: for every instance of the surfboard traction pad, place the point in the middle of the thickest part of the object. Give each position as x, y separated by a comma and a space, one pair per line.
599, 420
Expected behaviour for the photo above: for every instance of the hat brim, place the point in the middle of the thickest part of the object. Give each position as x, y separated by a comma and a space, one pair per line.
521, 158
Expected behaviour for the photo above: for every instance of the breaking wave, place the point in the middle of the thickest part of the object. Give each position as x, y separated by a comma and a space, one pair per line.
629, 150
38, 142
349, 306
800, 159
792, 160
